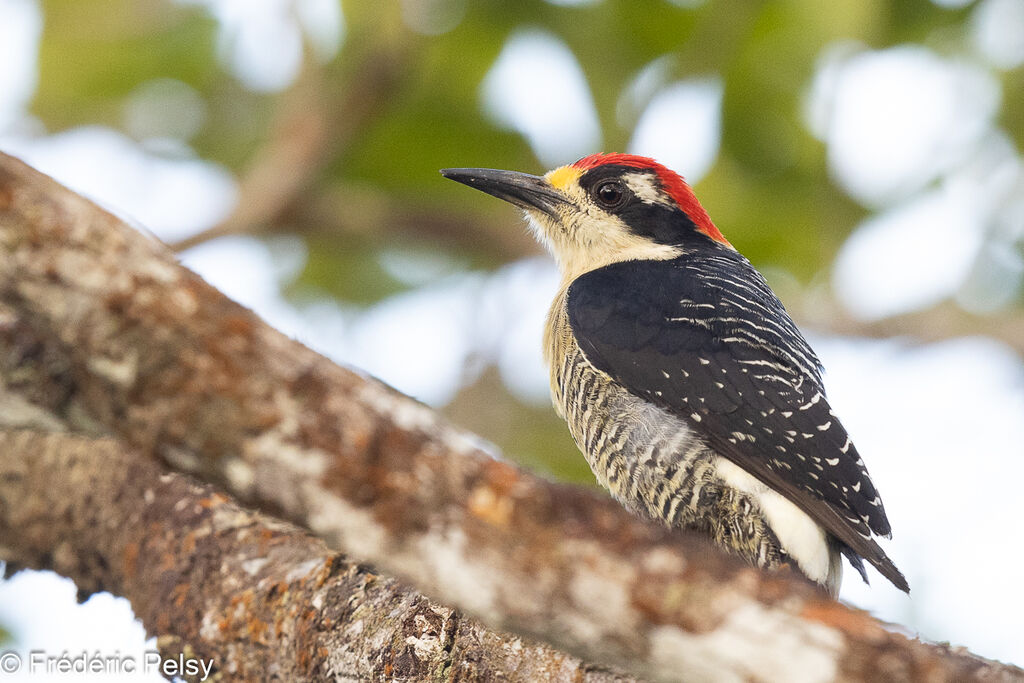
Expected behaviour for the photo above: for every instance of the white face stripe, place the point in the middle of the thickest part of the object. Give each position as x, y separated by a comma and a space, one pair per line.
646, 188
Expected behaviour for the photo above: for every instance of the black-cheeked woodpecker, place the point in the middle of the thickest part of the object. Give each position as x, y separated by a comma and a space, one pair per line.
683, 380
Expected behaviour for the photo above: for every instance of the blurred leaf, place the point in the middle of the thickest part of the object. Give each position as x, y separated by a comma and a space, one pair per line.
1012, 115
94, 52
348, 270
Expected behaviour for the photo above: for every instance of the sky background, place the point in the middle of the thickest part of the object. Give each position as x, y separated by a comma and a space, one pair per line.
912, 135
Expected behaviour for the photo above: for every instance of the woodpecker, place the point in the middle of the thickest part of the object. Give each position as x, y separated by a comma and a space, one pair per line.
683, 380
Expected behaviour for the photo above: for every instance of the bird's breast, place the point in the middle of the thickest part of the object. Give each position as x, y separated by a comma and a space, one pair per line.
630, 444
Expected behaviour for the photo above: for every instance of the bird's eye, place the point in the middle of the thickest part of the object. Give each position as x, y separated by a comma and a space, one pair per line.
610, 194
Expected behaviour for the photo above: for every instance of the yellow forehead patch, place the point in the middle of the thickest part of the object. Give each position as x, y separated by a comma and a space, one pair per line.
563, 177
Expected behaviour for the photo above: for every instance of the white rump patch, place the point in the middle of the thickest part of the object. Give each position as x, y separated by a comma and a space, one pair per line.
800, 535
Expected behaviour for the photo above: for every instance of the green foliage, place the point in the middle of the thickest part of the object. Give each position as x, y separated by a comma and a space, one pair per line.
96, 52
1012, 115
350, 272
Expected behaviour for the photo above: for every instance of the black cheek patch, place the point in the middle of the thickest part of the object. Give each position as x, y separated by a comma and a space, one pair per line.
658, 223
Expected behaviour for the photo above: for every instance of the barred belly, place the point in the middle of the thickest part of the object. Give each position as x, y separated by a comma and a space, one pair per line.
650, 460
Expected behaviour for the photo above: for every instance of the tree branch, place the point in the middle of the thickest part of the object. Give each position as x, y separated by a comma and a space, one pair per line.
253, 594
124, 336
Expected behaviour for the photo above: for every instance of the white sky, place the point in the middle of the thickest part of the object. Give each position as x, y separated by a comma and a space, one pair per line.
939, 425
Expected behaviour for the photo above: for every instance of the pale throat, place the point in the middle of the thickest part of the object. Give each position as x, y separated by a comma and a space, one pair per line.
580, 247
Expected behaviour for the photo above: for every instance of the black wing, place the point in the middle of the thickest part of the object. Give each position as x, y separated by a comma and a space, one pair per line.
705, 337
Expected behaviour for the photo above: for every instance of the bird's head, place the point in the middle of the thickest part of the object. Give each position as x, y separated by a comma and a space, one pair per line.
603, 209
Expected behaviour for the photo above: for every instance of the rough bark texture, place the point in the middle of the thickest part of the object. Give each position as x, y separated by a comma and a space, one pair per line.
261, 598
102, 327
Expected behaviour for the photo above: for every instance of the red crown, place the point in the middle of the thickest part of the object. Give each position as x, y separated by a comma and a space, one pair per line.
671, 182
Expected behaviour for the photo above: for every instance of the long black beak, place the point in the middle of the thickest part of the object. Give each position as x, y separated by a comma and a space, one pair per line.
526, 191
